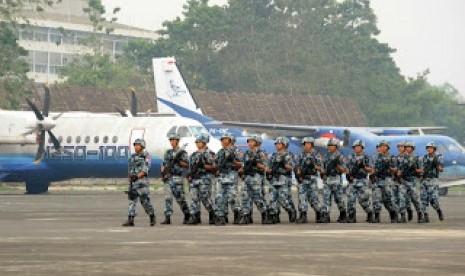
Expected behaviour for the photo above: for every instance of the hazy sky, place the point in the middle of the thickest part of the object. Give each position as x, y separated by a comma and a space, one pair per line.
428, 34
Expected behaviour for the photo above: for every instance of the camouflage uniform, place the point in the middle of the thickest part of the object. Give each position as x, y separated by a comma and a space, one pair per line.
308, 190
358, 185
253, 182
333, 185
226, 181
140, 163
174, 185
383, 187
280, 183
407, 191
200, 184
430, 185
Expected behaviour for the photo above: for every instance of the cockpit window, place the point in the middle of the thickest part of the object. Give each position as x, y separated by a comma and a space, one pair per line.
441, 149
184, 132
197, 130
453, 146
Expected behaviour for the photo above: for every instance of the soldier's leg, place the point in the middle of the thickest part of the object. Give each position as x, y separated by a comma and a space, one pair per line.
351, 199
325, 209
402, 194
195, 197
313, 198
245, 196
273, 206
377, 201
413, 197
144, 193
168, 192
434, 199
364, 201
284, 192
339, 199
303, 190
220, 198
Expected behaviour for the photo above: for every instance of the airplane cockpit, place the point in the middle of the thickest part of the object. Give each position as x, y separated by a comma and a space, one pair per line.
449, 146
188, 135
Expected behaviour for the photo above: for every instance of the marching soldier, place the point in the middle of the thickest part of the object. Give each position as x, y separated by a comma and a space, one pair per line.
359, 167
409, 169
252, 173
397, 181
138, 169
432, 166
333, 167
226, 178
281, 165
201, 168
308, 165
385, 168
175, 161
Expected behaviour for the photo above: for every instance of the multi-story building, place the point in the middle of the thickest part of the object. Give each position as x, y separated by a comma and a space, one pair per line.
56, 37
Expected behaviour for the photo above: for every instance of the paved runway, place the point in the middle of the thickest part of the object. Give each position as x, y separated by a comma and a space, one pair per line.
72, 233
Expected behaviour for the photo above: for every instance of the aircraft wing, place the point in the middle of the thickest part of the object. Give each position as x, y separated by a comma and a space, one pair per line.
274, 129
405, 130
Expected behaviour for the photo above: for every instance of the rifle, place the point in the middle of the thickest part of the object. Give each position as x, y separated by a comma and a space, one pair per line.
357, 168
198, 164
275, 169
168, 171
132, 192
223, 161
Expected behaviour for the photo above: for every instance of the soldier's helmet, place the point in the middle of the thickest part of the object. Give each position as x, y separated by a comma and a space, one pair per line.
409, 144
174, 136
358, 143
431, 144
140, 141
282, 140
333, 142
227, 135
401, 143
308, 140
257, 138
203, 137
383, 142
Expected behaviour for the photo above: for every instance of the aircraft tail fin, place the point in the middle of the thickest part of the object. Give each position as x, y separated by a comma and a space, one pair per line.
170, 86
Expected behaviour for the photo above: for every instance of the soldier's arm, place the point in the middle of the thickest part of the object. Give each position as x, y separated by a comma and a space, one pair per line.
341, 167
440, 165
210, 162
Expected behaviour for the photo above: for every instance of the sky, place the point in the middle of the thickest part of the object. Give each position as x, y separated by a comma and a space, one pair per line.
427, 34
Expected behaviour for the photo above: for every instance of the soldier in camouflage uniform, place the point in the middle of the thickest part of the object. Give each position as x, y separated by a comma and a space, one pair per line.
307, 166
226, 164
409, 168
432, 166
201, 167
279, 171
397, 181
333, 167
252, 172
138, 169
359, 166
172, 168
385, 168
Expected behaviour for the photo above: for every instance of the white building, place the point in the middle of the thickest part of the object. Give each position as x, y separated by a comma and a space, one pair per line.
50, 47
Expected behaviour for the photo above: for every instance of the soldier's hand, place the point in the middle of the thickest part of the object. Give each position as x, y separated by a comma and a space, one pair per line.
300, 180
134, 178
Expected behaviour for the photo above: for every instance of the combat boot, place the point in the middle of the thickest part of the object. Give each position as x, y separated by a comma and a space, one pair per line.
403, 219
426, 217
264, 217
226, 220
237, 217
292, 215
198, 217
342, 216
317, 216
440, 215
369, 217
351, 218
270, 218
376, 219
250, 217
129, 222
244, 220
325, 218
420, 217
193, 220
302, 218
187, 215
393, 216
167, 220
219, 221
410, 214
152, 220
211, 217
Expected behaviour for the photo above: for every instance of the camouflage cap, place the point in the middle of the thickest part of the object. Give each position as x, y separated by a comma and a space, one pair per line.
358, 143
139, 141
308, 140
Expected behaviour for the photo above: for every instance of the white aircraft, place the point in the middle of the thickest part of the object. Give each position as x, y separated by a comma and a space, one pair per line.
82, 145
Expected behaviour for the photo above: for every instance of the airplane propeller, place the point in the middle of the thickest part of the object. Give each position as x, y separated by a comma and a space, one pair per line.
133, 110
44, 124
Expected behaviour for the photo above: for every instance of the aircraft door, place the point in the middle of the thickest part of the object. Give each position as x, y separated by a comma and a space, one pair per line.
135, 134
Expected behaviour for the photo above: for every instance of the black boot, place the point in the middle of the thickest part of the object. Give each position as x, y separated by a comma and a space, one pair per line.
187, 215
226, 220
325, 218
167, 220
403, 219
426, 217
420, 217
264, 217
250, 217
440, 215
292, 215
410, 214
220, 221
198, 218
193, 220
376, 219
152, 220
317, 216
393, 216
129, 222
270, 219
237, 217
369, 217
351, 218
244, 220
211, 217
342, 216
302, 218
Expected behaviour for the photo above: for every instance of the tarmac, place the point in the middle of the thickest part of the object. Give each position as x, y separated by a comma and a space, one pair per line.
80, 233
